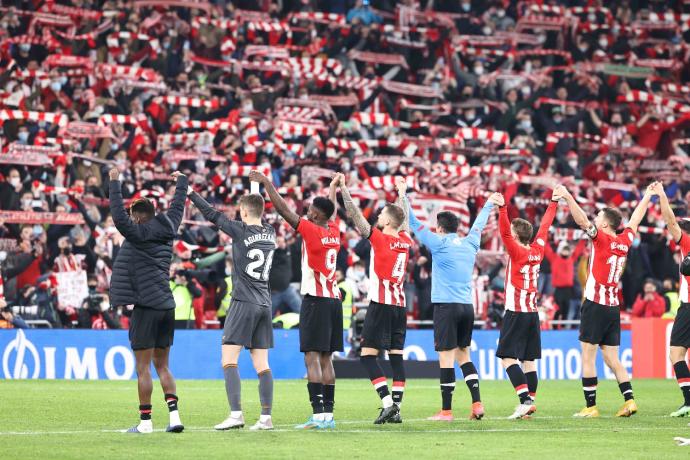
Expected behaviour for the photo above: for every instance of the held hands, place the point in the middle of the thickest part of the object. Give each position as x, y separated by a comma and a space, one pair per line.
497, 199
175, 175
655, 188
114, 174
257, 176
338, 180
560, 192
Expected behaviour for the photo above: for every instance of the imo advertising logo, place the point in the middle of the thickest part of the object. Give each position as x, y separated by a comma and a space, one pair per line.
21, 355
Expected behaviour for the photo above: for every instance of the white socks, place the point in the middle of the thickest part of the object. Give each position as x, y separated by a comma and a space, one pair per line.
387, 401
236, 414
264, 418
175, 418
145, 426
327, 416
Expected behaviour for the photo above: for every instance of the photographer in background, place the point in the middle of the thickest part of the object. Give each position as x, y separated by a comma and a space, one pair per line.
7, 319
94, 312
184, 290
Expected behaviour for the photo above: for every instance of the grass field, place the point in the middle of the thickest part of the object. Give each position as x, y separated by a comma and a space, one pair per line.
81, 419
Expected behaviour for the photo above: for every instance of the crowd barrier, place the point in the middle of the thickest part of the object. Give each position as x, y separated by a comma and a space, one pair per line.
91, 354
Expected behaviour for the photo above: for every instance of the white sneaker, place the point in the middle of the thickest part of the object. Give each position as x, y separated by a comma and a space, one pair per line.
520, 411
262, 425
231, 423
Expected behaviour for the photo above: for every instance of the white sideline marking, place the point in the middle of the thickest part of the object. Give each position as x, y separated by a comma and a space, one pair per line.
363, 430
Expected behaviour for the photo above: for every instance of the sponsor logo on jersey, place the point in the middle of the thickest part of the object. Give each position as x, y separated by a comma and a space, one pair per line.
399, 245
534, 258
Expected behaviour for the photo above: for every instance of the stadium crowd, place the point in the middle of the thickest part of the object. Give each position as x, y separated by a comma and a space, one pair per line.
461, 97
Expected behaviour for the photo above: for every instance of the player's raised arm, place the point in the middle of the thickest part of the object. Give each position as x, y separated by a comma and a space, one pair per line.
278, 202
176, 210
504, 227
667, 212
549, 216
214, 216
423, 233
354, 213
401, 187
579, 216
475, 235
640, 210
121, 219
333, 191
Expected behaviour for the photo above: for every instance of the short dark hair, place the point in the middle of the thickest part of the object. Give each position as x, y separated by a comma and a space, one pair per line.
396, 214
448, 221
144, 207
254, 204
684, 225
523, 230
324, 205
613, 217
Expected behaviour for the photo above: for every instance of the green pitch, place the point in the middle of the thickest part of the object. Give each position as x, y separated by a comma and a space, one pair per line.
79, 419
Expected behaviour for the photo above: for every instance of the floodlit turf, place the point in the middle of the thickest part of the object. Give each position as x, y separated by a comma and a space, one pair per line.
79, 419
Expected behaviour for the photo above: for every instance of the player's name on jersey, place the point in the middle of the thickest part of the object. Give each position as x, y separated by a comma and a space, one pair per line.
330, 240
400, 245
260, 237
620, 247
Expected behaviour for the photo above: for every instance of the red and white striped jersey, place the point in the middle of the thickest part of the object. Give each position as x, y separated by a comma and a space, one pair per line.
606, 264
522, 271
320, 248
387, 266
684, 244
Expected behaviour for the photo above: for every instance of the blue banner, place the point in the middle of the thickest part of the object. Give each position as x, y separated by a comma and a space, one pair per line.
90, 354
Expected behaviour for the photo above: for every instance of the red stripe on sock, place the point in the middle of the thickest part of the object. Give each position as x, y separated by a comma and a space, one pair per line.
684, 380
532, 395
398, 384
519, 388
378, 380
145, 411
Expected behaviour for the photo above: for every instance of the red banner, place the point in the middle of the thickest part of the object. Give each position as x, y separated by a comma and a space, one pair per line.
30, 217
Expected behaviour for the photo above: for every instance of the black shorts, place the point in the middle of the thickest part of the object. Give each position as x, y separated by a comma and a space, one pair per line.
680, 333
453, 324
600, 324
151, 328
321, 325
385, 327
520, 336
249, 325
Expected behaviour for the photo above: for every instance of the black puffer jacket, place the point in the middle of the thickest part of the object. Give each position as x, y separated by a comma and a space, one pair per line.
141, 270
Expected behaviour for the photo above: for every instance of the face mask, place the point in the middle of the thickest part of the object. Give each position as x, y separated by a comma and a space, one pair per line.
541, 39
67, 251
248, 107
486, 30
470, 116
25, 47
56, 86
466, 7
345, 166
615, 30
592, 17
42, 124
92, 287
616, 123
382, 166
114, 146
26, 204
670, 119
626, 144
352, 242
23, 136
501, 13
228, 271
15, 181
521, 145
526, 125
87, 163
478, 70
558, 119
166, 45
62, 80
572, 164
636, 242
603, 43
583, 48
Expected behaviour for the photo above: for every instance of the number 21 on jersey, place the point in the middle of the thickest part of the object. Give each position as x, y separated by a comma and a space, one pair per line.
258, 259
